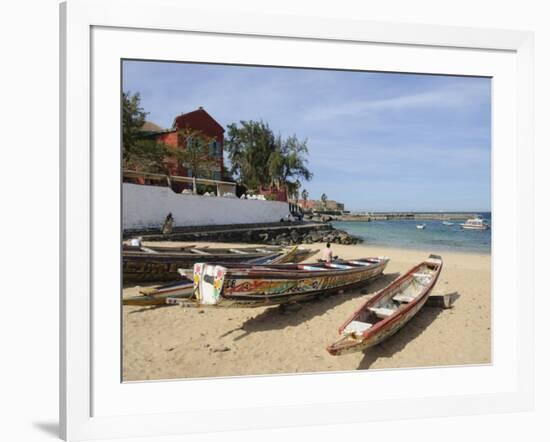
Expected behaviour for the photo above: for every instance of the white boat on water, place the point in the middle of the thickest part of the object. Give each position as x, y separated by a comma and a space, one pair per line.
475, 224
421, 226
448, 223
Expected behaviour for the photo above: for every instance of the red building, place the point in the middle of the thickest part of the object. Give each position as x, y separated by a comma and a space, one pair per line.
197, 121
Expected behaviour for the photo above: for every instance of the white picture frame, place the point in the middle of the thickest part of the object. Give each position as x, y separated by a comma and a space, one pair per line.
92, 406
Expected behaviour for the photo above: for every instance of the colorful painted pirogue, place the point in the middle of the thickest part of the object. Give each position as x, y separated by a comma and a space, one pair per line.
238, 285
161, 263
389, 310
184, 288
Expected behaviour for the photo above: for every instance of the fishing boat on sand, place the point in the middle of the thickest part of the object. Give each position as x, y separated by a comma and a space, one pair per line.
238, 285
154, 263
158, 295
389, 310
184, 288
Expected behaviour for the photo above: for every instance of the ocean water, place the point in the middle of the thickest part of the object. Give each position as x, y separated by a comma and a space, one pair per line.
435, 237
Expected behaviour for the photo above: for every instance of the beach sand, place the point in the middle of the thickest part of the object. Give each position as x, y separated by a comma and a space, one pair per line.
174, 342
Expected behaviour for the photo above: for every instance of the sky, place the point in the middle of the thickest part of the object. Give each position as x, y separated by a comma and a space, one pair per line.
377, 141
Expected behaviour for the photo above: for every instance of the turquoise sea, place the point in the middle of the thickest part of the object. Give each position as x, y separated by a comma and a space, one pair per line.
435, 236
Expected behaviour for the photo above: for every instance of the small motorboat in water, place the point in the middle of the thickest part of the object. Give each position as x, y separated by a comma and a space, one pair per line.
475, 224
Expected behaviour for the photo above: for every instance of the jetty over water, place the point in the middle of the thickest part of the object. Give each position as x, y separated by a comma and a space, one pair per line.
417, 216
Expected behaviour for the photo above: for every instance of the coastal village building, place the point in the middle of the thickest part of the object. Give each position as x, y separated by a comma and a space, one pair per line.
201, 121
197, 120
317, 205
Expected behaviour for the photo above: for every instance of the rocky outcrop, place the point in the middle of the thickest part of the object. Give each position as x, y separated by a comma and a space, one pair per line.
275, 234
315, 236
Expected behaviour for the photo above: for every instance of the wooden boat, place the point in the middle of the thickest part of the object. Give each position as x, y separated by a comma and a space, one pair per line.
238, 285
184, 289
389, 310
156, 263
294, 255
158, 295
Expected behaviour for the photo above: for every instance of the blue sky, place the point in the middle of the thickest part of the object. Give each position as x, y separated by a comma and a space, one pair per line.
377, 141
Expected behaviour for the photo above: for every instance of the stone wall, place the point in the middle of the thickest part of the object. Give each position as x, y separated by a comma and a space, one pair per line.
272, 233
146, 207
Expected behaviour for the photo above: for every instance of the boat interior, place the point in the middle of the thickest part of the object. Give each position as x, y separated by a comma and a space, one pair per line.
323, 266
298, 268
395, 297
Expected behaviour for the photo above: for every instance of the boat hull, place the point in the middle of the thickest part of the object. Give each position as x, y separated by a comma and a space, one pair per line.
354, 342
158, 295
219, 286
464, 226
140, 266
376, 338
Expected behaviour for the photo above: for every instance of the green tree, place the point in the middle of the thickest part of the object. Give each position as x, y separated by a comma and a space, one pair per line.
260, 159
249, 147
288, 163
324, 199
139, 153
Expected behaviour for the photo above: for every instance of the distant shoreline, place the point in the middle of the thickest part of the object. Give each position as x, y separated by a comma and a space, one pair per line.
397, 216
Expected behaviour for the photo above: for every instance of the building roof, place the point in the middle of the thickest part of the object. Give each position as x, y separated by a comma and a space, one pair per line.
192, 119
149, 126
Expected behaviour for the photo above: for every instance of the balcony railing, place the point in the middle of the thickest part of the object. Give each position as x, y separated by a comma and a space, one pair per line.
222, 187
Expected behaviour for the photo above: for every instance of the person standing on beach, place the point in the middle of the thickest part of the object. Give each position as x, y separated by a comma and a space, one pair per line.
326, 254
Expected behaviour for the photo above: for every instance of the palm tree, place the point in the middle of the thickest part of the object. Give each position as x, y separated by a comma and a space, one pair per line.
288, 163
324, 199
304, 197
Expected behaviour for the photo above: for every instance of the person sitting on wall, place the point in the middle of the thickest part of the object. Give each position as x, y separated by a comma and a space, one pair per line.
326, 254
168, 224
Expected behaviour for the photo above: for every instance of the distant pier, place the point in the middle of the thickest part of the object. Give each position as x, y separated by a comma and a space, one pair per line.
397, 216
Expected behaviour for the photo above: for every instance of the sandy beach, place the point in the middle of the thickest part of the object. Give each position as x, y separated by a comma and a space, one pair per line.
173, 342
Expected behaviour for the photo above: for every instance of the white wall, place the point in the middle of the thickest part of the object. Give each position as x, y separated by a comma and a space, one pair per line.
147, 206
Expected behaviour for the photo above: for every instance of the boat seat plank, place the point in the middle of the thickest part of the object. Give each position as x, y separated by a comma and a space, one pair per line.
356, 327
403, 297
199, 252
382, 312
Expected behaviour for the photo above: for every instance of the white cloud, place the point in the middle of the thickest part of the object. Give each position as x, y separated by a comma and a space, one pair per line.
459, 95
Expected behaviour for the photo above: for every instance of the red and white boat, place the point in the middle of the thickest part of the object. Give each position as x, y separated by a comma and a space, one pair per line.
389, 310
